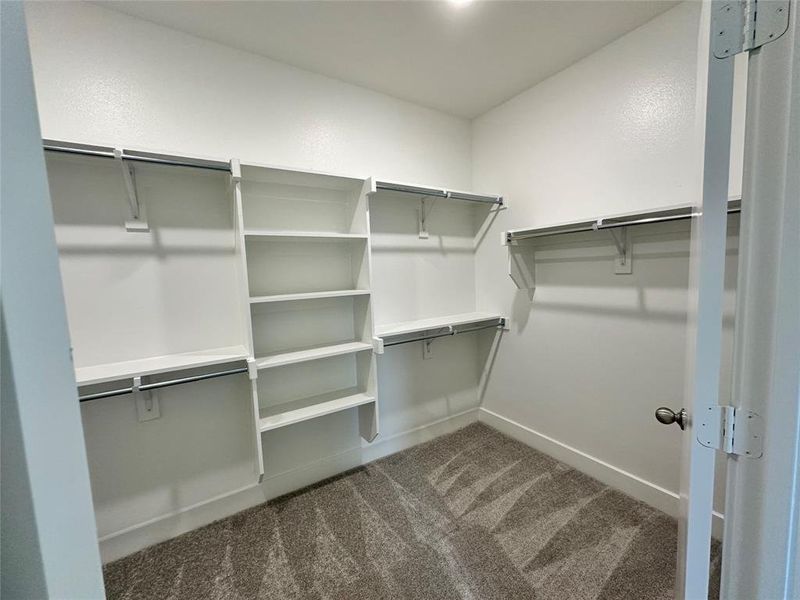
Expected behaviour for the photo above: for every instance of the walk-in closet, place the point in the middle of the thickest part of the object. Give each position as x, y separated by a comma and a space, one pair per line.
450, 299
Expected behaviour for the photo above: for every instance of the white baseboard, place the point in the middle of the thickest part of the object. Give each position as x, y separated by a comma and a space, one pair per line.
131, 539
139, 536
641, 489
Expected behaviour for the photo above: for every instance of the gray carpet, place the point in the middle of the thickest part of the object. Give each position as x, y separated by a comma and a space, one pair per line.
471, 515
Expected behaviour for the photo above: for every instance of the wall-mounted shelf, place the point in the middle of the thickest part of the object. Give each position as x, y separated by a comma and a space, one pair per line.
660, 215
280, 359
290, 413
308, 296
421, 325
435, 192
427, 195
423, 330
158, 364
521, 261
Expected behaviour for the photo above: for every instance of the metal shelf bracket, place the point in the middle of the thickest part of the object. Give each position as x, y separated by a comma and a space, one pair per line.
138, 220
147, 407
623, 264
521, 264
423, 217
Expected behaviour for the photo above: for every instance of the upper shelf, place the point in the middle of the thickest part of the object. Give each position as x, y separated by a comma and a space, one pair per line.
158, 364
659, 215
135, 155
436, 192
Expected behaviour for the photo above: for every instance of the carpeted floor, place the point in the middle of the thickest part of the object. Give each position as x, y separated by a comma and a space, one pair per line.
472, 515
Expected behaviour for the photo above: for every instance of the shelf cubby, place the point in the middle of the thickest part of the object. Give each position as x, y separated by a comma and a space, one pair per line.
297, 392
285, 265
311, 408
285, 200
286, 332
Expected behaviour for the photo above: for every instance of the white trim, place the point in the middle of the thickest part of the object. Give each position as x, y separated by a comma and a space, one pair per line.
126, 541
136, 537
641, 489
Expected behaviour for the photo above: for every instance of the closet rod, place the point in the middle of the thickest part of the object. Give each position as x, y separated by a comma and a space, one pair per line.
132, 155
452, 331
161, 384
600, 224
437, 193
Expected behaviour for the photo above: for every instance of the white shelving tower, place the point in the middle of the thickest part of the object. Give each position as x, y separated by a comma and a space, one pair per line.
304, 280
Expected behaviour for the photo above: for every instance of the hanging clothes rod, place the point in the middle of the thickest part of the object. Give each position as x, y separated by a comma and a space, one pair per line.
451, 330
135, 155
437, 193
734, 206
161, 384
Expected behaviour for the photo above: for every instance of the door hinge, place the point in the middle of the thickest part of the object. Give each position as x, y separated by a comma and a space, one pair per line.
731, 430
742, 25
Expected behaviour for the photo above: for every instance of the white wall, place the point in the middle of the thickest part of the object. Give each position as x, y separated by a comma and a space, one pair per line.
107, 78
589, 359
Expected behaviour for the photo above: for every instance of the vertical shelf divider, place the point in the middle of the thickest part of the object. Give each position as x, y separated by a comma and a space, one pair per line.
368, 414
244, 294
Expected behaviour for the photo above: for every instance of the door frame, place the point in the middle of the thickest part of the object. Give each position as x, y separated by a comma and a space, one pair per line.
761, 549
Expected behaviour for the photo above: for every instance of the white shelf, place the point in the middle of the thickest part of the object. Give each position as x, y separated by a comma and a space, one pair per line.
317, 352
266, 233
433, 323
158, 364
674, 212
298, 411
307, 296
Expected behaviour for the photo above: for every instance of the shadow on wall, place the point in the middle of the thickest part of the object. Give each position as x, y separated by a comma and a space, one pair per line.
489, 342
574, 274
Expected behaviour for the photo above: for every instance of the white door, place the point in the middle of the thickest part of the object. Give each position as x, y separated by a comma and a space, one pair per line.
48, 537
704, 335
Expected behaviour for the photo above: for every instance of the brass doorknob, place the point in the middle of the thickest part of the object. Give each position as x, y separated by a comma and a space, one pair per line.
667, 416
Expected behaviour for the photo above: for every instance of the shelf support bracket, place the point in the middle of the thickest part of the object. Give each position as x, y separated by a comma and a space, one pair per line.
521, 265
426, 343
147, 408
623, 263
138, 220
423, 217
